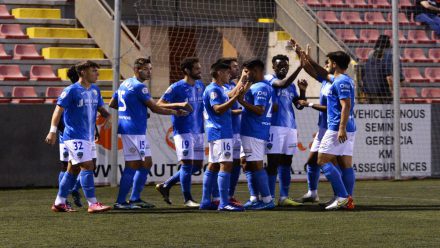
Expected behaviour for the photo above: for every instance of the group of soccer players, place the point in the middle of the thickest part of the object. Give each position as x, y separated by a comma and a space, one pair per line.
245, 116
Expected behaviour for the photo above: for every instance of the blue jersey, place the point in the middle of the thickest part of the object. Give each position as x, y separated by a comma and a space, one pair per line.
181, 91
253, 125
325, 88
80, 106
218, 126
285, 97
132, 111
342, 88
235, 118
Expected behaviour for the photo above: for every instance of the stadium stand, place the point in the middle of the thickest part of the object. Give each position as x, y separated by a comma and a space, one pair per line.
3, 98
26, 51
4, 13
11, 72
12, 31
52, 93
43, 73
25, 95
3, 54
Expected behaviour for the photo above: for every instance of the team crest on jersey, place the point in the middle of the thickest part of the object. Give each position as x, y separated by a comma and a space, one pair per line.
80, 154
269, 146
64, 94
185, 152
95, 92
65, 154
132, 149
213, 95
145, 90
142, 154
227, 154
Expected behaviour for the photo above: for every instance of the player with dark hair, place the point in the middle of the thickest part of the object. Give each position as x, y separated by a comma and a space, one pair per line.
132, 100
188, 130
79, 102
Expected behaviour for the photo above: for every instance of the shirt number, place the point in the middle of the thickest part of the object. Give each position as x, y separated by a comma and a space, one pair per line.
121, 93
269, 111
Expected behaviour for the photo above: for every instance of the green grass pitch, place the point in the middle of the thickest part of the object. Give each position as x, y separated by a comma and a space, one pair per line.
388, 214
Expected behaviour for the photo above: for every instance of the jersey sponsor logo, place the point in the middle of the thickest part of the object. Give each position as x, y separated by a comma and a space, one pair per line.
64, 94
145, 90
261, 93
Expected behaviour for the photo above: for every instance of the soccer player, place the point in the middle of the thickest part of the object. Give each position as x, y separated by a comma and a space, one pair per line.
79, 102
254, 131
188, 130
237, 153
283, 140
132, 100
338, 140
218, 124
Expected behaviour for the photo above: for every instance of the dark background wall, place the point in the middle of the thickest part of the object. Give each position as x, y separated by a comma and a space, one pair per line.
25, 160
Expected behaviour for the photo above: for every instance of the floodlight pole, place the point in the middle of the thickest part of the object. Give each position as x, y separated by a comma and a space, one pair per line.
396, 91
115, 85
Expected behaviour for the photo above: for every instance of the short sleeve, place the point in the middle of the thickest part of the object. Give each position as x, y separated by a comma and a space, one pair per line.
295, 93
344, 89
169, 94
269, 78
65, 98
100, 100
142, 93
261, 96
215, 97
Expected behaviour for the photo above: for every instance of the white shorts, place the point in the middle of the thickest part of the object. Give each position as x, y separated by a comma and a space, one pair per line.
317, 140
64, 153
253, 148
80, 151
189, 146
237, 151
220, 151
94, 154
136, 147
282, 140
331, 145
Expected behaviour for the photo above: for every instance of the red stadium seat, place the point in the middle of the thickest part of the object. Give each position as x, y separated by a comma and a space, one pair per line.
52, 93
403, 19
433, 74
43, 72
380, 3
415, 55
402, 38
11, 72
375, 18
12, 31
3, 98
405, 4
25, 95
413, 75
358, 4
4, 13
26, 51
419, 36
409, 95
3, 54
434, 54
369, 35
347, 35
314, 3
433, 94
329, 17
352, 18
333, 3
362, 53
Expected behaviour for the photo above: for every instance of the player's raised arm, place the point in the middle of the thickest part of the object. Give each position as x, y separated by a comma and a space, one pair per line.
302, 85
310, 66
56, 117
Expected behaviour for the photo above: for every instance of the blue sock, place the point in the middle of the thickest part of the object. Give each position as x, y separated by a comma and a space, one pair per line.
223, 181
272, 183
313, 172
77, 186
66, 184
338, 168
285, 178
215, 191
87, 183
263, 186
60, 177
125, 184
252, 184
235, 175
140, 178
349, 179
185, 181
332, 174
209, 179
176, 177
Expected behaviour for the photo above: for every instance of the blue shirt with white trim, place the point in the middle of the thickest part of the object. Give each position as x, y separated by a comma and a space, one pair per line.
325, 88
342, 88
236, 119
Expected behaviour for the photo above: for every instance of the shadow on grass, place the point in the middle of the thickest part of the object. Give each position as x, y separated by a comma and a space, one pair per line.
306, 208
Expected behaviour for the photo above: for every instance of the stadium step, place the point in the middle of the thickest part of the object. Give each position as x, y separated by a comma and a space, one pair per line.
72, 53
104, 74
36, 13
70, 33
106, 95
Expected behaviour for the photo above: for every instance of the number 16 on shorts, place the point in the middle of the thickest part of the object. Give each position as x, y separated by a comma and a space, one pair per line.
220, 151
